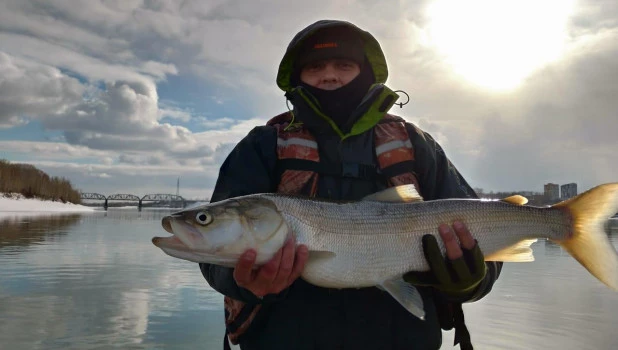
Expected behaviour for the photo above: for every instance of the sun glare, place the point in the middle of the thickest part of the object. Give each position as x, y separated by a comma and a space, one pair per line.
496, 44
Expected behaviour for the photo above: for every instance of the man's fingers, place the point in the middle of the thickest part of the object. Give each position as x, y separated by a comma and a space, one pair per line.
436, 260
453, 250
262, 284
302, 254
464, 235
461, 269
287, 262
243, 272
274, 276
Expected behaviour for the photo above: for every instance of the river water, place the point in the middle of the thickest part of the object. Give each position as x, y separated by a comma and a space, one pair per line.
95, 281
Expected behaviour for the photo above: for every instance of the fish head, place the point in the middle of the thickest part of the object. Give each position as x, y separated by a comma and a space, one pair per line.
218, 233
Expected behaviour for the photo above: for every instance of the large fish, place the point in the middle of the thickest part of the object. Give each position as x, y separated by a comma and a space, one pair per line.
373, 242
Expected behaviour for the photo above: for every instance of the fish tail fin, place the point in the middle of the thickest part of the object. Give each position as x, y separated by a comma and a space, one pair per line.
588, 242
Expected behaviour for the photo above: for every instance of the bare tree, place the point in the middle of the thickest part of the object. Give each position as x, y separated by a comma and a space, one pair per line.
35, 183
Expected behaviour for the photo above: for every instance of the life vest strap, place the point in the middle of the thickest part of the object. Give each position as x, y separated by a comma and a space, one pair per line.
243, 315
345, 169
399, 168
462, 335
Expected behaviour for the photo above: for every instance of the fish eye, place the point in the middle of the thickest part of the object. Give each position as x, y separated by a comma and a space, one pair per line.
203, 218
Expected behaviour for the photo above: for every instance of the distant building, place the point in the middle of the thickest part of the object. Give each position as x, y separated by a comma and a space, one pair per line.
551, 191
568, 190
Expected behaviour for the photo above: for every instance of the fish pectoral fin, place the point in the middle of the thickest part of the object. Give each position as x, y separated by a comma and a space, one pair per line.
320, 255
515, 200
406, 294
519, 252
397, 194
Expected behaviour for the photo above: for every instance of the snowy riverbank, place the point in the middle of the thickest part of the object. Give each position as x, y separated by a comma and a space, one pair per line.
13, 204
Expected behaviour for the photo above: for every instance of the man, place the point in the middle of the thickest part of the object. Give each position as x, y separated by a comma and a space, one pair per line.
339, 143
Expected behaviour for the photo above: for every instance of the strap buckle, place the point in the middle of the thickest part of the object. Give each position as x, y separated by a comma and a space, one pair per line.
358, 171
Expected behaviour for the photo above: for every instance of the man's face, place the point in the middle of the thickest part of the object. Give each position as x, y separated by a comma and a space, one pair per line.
329, 74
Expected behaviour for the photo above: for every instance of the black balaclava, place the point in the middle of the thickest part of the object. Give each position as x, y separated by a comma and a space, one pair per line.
339, 104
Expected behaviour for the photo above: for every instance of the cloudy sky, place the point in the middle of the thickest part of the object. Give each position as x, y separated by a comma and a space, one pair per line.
129, 95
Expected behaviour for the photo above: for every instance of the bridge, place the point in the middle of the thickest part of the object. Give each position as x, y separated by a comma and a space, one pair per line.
158, 197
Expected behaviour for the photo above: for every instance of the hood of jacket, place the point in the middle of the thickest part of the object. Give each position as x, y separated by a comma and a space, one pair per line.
373, 52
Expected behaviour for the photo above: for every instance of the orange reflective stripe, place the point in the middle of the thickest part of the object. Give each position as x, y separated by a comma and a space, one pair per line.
297, 143
392, 144
294, 181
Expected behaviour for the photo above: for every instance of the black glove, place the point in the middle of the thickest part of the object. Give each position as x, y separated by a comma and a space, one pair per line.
454, 278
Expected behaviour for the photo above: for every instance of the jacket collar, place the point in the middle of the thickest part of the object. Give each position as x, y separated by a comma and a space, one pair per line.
378, 100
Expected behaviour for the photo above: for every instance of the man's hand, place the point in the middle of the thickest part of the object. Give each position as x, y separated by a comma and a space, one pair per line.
463, 269
274, 276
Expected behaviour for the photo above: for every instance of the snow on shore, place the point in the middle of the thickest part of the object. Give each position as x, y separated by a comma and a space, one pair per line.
13, 204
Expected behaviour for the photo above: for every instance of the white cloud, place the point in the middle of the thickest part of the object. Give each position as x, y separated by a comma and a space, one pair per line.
91, 71
122, 116
53, 150
220, 123
31, 89
174, 113
94, 68
559, 127
10, 122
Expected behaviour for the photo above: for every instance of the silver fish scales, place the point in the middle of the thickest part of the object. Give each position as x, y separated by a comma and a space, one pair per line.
373, 242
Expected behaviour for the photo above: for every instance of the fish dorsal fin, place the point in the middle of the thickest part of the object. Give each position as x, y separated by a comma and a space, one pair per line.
406, 294
519, 252
397, 194
515, 199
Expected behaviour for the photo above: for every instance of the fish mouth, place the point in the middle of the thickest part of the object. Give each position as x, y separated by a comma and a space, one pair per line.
188, 243
174, 247
168, 242
166, 222
171, 242
185, 236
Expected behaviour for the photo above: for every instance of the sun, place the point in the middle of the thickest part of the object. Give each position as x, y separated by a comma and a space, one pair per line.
496, 44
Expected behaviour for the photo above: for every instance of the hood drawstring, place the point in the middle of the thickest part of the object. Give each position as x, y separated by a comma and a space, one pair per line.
287, 100
401, 104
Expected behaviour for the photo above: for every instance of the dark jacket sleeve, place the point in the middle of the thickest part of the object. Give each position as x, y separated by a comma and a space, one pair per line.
248, 169
439, 179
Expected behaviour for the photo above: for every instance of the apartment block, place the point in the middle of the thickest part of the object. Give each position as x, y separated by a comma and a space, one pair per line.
568, 190
551, 191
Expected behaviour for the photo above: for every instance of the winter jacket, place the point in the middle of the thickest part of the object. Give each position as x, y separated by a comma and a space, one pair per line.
305, 316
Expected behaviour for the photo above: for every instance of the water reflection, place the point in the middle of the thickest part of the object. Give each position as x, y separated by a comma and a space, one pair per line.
102, 285
96, 281
131, 214
25, 230
551, 303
